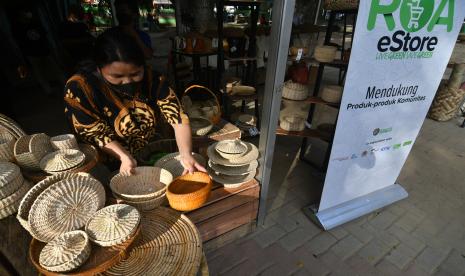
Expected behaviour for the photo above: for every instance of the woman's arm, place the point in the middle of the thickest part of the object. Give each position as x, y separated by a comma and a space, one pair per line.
184, 142
128, 163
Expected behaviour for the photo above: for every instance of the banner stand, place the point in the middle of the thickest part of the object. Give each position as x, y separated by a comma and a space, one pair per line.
355, 208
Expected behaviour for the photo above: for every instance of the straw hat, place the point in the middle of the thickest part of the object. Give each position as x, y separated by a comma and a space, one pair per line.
65, 206
65, 252
113, 224
231, 181
147, 183
200, 126
169, 243
35, 191
295, 91
30, 149
62, 160
10, 179
332, 93
242, 170
250, 155
7, 143
291, 123
65, 141
172, 163
325, 53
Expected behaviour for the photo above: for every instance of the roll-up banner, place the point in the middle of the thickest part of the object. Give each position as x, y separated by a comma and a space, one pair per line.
400, 52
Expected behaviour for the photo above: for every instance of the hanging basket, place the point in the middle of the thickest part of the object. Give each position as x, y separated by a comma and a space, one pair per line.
337, 5
215, 114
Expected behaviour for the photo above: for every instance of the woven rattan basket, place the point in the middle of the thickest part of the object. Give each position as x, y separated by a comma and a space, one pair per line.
325, 53
62, 160
10, 179
332, 93
252, 166
200, 126
147, 183
11, 126
7, 143
172, 163
144, 205
35, 191
30, 149
65, 252
289, 123
231, 149
65, 206
169, 244
250, 155
113, 224
295, 91
216, 115
189, 192
9, 205
65, 141
231, 181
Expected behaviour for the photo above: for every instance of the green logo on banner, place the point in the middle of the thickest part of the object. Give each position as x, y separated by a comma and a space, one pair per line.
414, 15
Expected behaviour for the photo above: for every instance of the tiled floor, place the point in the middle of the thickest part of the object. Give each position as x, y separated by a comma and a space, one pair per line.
421, 235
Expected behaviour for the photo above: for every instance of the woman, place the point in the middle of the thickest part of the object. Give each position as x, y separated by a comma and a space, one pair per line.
116, 102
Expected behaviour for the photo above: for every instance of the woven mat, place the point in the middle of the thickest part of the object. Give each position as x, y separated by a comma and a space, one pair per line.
169, 244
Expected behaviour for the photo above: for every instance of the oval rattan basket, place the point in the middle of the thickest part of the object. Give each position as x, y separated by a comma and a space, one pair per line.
189, 192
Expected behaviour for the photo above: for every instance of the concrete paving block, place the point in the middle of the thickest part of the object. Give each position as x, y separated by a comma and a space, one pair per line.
408, 222
279, 270
415, 270
346, 247
382, 236
387, 268
312, 265
295, 239
338, 232
362, 234
401, 256
407, 238
288, 223
361, 266
374, 251
396, 209
337, 266
430, 259
320, 243
269, 236
283, 211
454, 263
228, 259
304, 222
383, 220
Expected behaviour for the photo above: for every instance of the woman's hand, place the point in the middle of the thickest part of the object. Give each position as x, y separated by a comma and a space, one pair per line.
190, 164
128, 165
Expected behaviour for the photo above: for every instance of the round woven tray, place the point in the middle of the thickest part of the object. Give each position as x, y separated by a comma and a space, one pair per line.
100, 259
65, 206
65, 141
249, 156
172, 163
11, 126
65, 252
169, 244
113, 224
62, 160
147, 183
35, 191
7, 143
295, 91
242, 170
231, 181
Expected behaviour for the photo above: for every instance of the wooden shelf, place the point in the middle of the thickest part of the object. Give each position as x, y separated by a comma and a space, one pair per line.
317, 100
228, 58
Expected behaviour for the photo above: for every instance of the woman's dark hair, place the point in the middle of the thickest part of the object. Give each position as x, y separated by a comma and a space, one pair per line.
115, 45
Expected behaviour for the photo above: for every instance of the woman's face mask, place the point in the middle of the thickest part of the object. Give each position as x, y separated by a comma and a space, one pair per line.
123, 77
126, 88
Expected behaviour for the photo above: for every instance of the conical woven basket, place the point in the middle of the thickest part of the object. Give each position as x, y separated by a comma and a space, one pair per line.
11, 126
172, 163
65, 206
9, 205
144, 205
65, 141
231, 181
325, 53
189, 192
30, 149
113, 224
62, 160
35, 191
289, 123
250, 155
66, 252
200, 126
295, 91
332, 93
147, 183
231, 146
10, 179
7, 143
169, 244
242, 170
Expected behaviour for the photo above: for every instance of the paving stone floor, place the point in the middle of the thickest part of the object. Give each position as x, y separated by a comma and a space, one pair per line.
421, 235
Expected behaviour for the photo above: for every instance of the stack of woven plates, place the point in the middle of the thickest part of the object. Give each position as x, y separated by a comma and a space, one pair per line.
12, 188
62, 160
7, 143
59, 204
172, 163
232, 162
145, 190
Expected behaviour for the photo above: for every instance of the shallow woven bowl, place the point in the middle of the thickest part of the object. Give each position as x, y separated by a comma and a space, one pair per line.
66, 252
7, 143
189, 192
144, 205
147, 183
200, 126
65, 141
325, 53
30, 149
231, 149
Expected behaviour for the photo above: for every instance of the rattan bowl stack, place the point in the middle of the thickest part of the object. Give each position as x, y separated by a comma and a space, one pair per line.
332, 93
189, 192
30, 149
13, 187
113, 224
7, 143
325, 53
66, 252
295, 91
145, 190
65, 141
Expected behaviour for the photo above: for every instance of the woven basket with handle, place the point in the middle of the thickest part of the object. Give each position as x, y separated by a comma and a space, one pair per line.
216, 114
